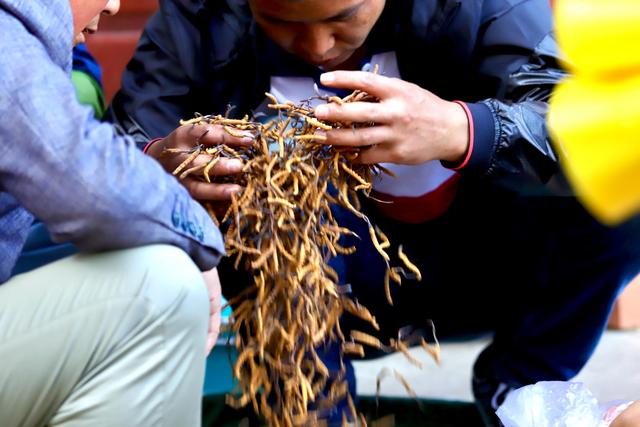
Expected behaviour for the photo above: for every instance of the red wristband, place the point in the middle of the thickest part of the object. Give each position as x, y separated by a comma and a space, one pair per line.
471, 136
149, 144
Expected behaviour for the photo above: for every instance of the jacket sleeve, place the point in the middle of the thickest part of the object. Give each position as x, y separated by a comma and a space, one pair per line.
158, 87
89, 186
517, 59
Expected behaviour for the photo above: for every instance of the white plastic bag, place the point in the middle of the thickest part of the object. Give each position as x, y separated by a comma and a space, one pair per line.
557, 404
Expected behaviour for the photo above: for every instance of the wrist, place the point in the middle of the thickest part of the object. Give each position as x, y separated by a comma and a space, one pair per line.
459, 141
154, 148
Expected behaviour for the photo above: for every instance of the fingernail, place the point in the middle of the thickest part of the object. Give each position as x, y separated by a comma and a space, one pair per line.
320, 132
231, 191
247, 136
327, 78
234, 165
321, 111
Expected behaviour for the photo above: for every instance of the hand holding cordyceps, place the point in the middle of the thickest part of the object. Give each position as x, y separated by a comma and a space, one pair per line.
181, 144
411, 125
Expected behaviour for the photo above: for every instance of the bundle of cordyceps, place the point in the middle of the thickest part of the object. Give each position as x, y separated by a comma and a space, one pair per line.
282, 230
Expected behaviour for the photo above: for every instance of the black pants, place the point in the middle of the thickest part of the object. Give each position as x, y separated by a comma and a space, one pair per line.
537, 272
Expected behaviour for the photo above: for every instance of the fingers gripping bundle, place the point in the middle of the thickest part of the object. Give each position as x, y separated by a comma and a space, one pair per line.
281, 228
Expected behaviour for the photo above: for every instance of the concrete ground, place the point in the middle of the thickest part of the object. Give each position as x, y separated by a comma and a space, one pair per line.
613, 372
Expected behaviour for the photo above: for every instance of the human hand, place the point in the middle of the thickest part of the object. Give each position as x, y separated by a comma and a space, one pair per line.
629, 418
411, 124
185, 138
212, 281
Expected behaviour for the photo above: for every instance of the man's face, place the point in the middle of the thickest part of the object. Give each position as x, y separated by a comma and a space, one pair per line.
324, 33
86, 15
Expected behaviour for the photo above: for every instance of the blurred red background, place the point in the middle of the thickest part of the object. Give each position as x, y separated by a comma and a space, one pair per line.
116, 41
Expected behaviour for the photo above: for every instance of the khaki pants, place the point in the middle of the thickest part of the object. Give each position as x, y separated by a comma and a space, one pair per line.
112, 339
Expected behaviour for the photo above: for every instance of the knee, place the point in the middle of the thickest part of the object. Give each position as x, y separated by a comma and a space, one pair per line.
174, 284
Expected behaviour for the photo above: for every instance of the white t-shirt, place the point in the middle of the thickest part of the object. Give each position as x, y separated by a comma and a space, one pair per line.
417, 193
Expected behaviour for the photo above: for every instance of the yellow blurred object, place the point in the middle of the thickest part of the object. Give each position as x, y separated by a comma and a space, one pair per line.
597, 129
594, 116
600, 37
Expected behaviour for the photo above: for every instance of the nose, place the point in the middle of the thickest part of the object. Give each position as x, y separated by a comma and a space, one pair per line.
112, 8
315, 42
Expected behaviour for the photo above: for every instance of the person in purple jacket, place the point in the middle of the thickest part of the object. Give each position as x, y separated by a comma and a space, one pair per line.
117, 334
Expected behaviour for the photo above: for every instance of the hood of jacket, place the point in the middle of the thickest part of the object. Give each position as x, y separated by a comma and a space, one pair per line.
50, 21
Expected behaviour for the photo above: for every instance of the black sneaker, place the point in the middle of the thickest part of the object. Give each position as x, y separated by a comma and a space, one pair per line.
489, 392
489, 395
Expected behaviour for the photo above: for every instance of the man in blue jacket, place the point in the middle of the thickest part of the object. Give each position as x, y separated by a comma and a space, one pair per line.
478, 200
115, 335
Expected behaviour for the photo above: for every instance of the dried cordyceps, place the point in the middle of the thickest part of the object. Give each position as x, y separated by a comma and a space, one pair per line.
281, 228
